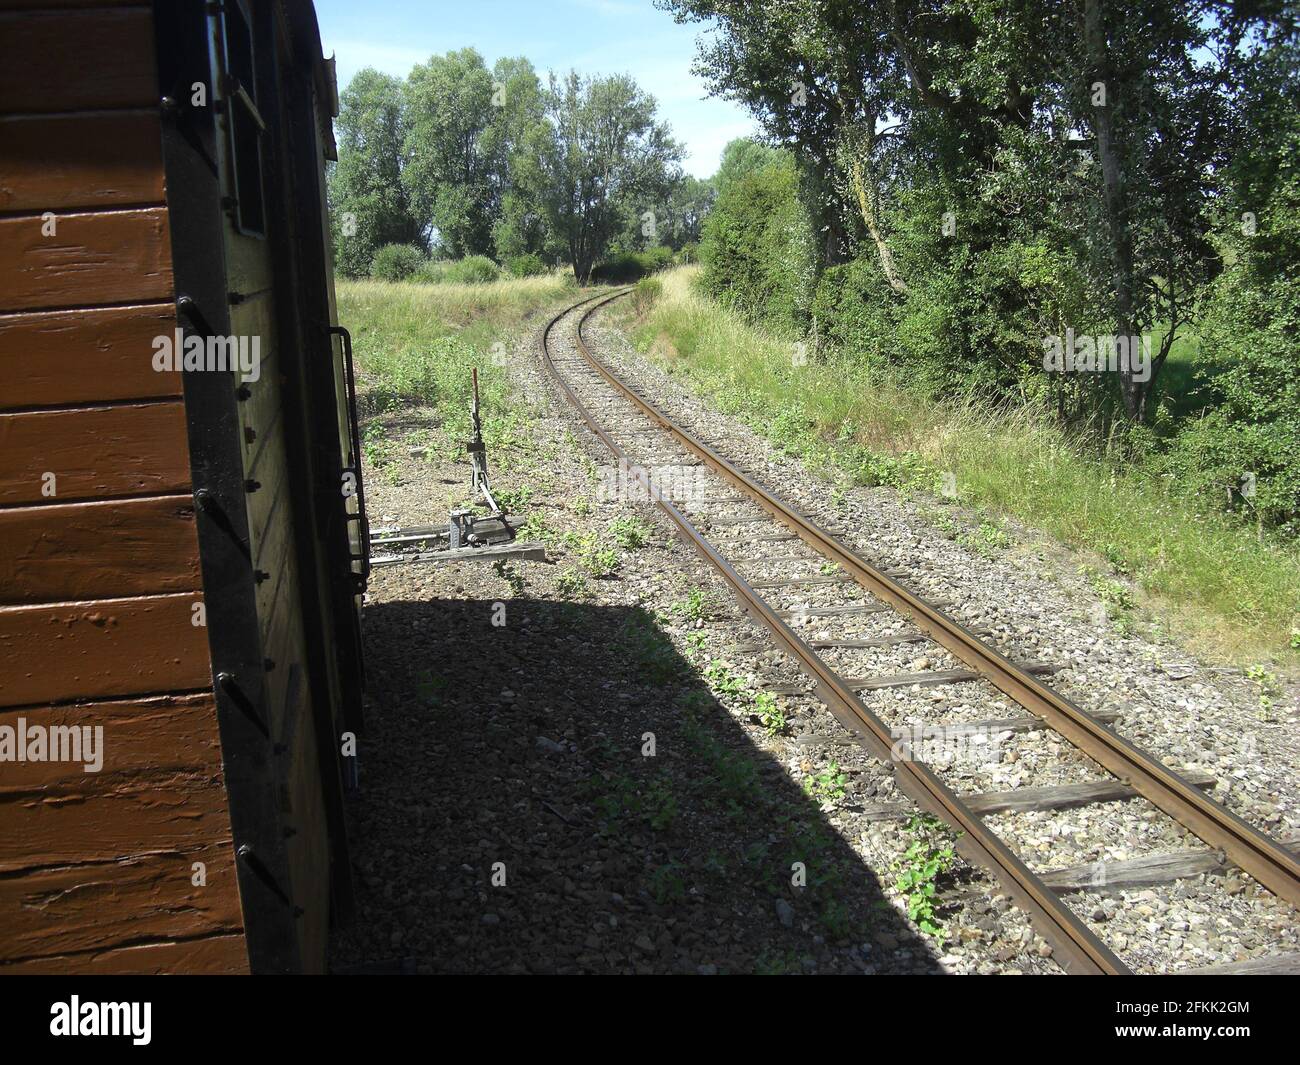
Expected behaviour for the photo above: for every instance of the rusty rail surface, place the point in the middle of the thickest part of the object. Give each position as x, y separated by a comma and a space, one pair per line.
1077, 948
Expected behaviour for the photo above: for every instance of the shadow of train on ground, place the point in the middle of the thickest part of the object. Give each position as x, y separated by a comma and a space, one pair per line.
522, 745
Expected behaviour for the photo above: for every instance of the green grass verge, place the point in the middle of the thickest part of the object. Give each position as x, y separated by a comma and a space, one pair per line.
1233, 595
418, 343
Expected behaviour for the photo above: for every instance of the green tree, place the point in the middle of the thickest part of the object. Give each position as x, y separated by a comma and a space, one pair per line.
518, 110
758, 249
369, 205
688, 206
741, 157
600, 157
452, 172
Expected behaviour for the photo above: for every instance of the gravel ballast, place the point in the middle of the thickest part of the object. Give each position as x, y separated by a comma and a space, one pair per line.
510, 818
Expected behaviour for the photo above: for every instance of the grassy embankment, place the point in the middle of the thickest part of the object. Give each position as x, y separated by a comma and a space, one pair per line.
1233, 596
418, 343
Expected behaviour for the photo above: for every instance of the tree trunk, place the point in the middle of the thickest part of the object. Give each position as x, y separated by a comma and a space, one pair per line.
858, 178
1114, 203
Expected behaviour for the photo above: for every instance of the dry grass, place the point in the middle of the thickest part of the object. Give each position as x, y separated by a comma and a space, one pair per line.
1233, 596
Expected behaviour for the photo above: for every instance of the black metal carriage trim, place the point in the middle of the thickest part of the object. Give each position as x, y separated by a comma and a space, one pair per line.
189, 138
329, 609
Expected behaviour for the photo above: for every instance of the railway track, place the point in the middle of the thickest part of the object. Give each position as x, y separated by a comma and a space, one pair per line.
643, 438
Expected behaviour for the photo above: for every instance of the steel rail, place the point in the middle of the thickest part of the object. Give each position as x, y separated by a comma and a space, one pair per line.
1077, 948
1263, 858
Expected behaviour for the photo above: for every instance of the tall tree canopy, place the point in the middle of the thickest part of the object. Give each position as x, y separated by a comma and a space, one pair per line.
600, 155
452, 156
491, 162
1022, 149
371, 207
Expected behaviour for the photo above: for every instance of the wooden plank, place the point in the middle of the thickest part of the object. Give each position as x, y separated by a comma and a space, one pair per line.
141, 815
516, 552
1142, 872
94, 453
270, 511
1058, 880
282, 643
1065, 796
163, 734
1023, 723
262, 412
1271, 965
907, 680
770, 538
248, 268
62, 162
875, 641
44, 67
92, 906
98, 550
256, 317
103, 648
276, 559
833, 611
285, 699
92, 258
811, 579
224, 954
1135, 873
749, 519
268, 441
308, 847
64, 358
942, 676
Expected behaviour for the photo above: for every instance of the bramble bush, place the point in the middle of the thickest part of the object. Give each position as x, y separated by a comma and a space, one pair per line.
396, 262
472, 270
527, 265
758, 248
621, 269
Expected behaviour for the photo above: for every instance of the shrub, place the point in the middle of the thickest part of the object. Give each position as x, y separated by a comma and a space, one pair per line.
854, 311
1249, 328
528, 265
396, 262
647, 292
473, 270
627, 267
656, 259
758, 249
431, 273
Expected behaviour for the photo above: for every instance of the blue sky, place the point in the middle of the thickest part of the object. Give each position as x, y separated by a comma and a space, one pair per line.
591, 36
